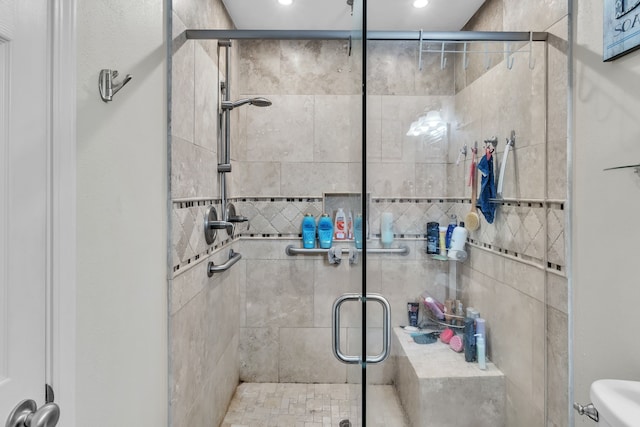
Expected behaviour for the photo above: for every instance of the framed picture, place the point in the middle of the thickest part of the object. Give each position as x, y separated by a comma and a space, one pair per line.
621, 28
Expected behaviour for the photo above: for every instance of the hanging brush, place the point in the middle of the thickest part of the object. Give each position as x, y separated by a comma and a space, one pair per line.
472, 220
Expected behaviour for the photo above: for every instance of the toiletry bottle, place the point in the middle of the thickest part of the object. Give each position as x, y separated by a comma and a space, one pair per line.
459, 237
325, 231
308, 232
339, 229
432, 237
386, 229
453, 223
481, 349
358, 231
469, 339
442, 247
350, 226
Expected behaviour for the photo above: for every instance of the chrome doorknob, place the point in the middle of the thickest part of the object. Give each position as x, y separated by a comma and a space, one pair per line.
27, 414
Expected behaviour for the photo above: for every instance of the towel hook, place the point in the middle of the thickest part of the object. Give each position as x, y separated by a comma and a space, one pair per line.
465, 59
509, 56
107, 86
420, 52
487, 58
532, 62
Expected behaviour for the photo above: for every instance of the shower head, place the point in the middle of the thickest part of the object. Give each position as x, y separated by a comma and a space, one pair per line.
258, 102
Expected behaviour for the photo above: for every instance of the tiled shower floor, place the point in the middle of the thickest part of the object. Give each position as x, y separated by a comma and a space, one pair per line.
311, 405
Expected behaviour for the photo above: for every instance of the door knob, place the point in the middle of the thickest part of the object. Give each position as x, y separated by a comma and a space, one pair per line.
26, 414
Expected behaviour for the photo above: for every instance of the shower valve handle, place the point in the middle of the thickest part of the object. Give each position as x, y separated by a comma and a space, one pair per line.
219, 225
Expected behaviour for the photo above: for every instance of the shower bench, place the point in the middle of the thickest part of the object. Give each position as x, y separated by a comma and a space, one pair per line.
437, 387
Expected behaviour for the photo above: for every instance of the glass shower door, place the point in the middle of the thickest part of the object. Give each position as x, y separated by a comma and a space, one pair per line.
363, 316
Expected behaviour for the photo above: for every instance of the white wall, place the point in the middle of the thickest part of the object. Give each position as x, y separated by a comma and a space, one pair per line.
606, 206
121, 210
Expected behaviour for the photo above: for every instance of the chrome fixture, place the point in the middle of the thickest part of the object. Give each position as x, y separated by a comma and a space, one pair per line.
107, 86
230, 214
386, 328
509, 146
224, 136
233, 258
258, 102
589, 410
211, 225
27, 414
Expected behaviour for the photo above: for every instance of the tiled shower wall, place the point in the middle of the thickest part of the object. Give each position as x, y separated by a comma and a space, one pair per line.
204, 314
299, 149
515, 289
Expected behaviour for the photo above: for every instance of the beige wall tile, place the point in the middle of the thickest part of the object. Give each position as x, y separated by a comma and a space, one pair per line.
206, 95
306, 356
524, 278
532, 16
182, 85
287, 286
281, 132
558, 360
259, 354
314, 179
255, 179
193, 170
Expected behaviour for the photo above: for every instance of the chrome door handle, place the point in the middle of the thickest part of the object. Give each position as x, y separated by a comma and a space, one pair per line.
335, 326
386, 328
27, 414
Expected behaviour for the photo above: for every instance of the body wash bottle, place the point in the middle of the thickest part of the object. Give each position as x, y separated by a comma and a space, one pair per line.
325, 231
340, 227
481, 349
308, 232
386, 229
358, 231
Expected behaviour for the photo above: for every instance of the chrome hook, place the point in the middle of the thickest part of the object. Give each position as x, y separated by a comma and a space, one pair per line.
487, 58
532, 62
509, 56
443, 59
107, 86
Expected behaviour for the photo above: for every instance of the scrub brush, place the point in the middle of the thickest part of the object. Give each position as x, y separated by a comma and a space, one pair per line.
472, 220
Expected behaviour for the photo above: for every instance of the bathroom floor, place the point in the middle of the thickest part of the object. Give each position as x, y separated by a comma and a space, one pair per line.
311, 405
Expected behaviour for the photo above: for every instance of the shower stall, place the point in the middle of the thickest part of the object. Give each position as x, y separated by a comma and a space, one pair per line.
384, 126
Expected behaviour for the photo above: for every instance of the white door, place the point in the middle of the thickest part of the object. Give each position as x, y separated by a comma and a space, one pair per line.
24, 204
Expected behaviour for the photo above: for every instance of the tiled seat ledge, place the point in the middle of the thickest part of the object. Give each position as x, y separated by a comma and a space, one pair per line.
437, 387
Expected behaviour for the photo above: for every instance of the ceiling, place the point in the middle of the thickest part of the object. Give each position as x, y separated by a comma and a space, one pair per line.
383, 15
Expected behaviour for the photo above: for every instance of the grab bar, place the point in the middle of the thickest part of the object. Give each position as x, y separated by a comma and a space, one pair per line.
292, 250
233, 258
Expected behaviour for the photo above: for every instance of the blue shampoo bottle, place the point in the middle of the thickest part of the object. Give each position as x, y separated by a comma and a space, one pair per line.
308, 232
325, 231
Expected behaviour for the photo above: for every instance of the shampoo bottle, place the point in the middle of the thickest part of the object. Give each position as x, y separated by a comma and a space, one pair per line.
386, 229
308, 232
481, 349
453, 223
325, 231
459, 237
339, 230
358, 231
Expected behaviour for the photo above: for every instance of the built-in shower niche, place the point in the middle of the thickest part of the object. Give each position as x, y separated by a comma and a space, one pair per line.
349, 202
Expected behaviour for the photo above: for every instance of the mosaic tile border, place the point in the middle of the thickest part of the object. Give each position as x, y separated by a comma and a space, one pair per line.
517, 232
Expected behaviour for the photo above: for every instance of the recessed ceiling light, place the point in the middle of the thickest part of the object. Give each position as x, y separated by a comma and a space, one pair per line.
285, 2
420, 3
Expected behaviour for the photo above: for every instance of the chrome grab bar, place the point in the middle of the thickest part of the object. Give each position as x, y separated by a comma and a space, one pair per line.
233, 258
386, 328
293, 250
